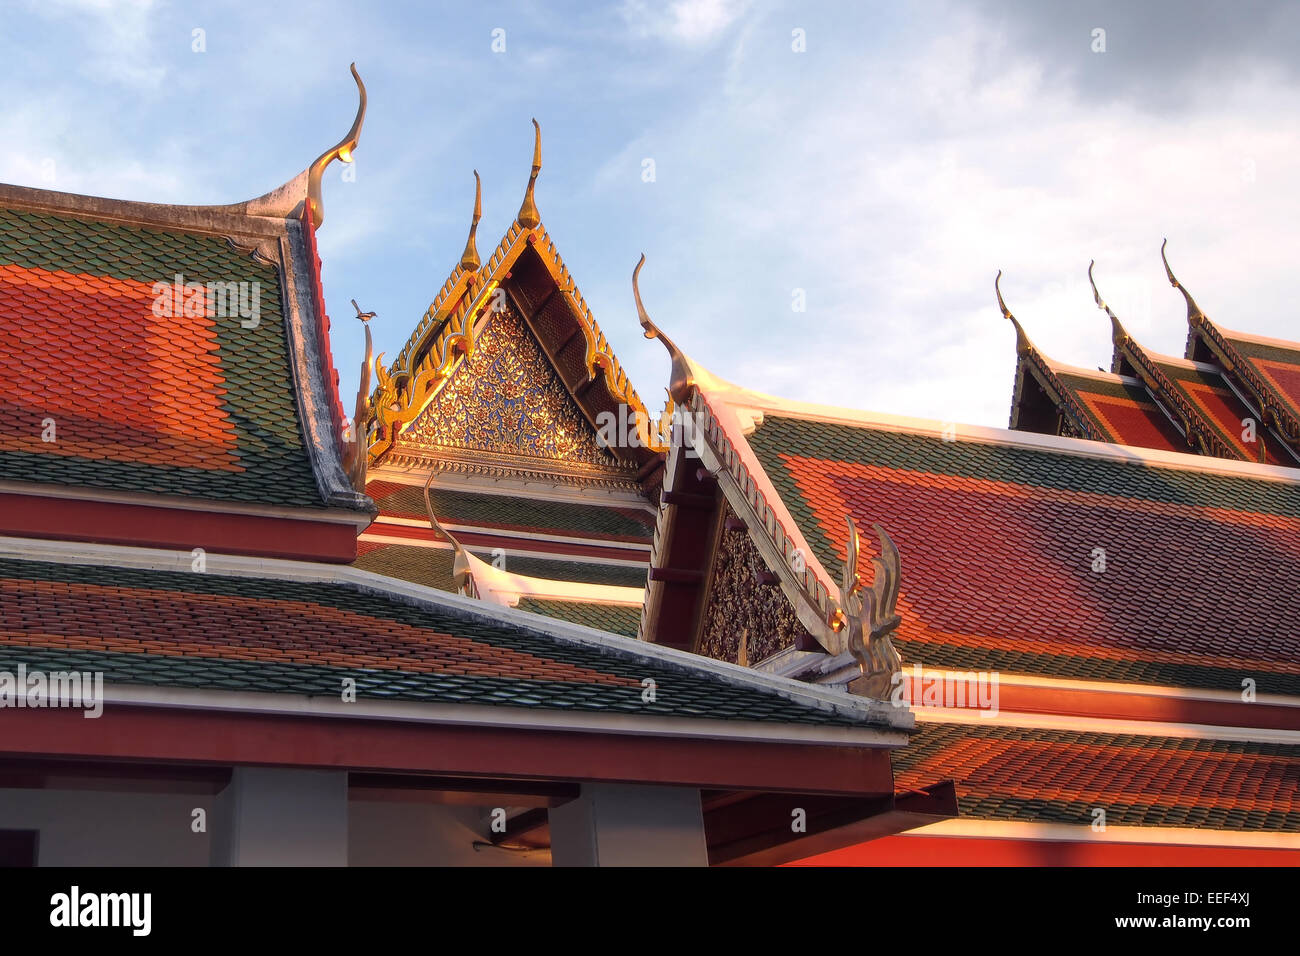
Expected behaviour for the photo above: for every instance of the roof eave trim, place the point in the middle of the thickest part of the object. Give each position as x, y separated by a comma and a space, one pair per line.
519, 718
303, 328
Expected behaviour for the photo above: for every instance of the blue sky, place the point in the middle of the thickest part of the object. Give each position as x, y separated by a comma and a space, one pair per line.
888, 170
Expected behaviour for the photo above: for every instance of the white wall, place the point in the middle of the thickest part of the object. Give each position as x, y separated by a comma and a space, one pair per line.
98, 828
102, 828
382, 833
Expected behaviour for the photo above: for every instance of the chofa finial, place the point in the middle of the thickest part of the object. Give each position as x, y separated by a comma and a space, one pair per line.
1193, 310
528, 216
343, 151
1023, 345
870, 615
1118, 333
682, 379
469, 259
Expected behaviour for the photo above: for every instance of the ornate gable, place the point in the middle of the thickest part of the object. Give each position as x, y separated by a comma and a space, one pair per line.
506, 399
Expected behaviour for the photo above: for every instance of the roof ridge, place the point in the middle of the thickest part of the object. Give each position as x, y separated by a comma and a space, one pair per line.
760, 404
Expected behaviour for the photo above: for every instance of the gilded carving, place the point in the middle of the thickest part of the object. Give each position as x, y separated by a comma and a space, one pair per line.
506, 399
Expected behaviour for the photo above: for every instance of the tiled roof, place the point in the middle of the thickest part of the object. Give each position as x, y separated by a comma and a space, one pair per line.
195, 630
614, 618
195, 405
1209, 393
1061, 776
1276, 363
1201, 581
515, 513
1121, 411
428, 566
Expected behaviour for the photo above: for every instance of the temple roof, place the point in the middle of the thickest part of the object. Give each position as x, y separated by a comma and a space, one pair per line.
171, 351
141, 399
1233, 396
291, 628
1018, 527
524, 282
1118, 409
1060, 776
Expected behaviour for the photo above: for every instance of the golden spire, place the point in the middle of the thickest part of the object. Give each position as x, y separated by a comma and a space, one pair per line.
469, 259
1023, 345
682, 379
343, 151
1118, 333
528, 216
1193, 310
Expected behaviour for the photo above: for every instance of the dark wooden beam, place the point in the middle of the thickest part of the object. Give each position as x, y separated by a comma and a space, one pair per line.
467, 791
684, 499
676, 575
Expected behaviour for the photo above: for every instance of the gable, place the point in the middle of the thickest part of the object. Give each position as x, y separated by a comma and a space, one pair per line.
747, 618
505, 398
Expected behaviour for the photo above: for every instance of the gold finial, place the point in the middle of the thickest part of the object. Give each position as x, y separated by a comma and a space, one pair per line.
1193, 310
1118, 333
870, 615
469, 259
1023, 345
528, 216
343, 151
682, 379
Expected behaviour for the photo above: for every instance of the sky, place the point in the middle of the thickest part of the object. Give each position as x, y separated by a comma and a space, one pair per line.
878, 162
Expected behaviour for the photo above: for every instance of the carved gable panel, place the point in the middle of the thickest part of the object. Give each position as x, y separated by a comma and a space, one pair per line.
506, 398
742, 607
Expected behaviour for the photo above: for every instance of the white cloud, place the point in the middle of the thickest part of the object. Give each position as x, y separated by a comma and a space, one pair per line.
690, 22
894, 187
117, 34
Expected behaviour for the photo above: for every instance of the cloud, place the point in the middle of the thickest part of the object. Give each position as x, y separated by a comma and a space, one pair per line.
116, 34
891, 187
1160, 53
688, 22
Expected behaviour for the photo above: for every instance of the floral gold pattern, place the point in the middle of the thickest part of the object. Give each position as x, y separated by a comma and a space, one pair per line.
507, 399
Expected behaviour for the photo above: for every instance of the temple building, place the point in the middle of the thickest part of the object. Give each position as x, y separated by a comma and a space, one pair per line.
501, 612
196, 665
